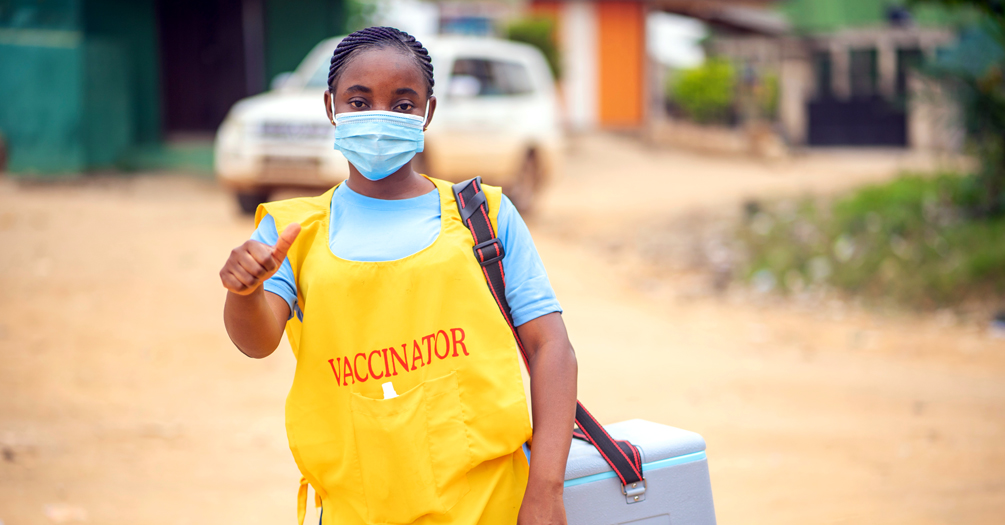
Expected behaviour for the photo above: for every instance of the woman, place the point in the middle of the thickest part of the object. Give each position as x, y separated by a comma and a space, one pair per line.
407, 405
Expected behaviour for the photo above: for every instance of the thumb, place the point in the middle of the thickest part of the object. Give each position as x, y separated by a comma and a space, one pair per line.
285, 241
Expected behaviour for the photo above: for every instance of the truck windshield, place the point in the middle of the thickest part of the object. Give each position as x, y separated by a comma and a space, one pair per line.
320, 77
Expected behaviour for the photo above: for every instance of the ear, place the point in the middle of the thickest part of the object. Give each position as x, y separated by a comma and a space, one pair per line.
432, 109
329, 104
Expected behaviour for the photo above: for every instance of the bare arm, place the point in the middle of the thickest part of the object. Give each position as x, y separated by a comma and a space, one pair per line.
255, 322
552, 371
254, 318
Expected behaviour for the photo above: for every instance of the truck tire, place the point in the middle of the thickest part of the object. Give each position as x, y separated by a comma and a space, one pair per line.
249, 200
523, 190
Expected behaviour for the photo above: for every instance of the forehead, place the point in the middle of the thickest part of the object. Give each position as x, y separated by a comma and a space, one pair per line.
382, 67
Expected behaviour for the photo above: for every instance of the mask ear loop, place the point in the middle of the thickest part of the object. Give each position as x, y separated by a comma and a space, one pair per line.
331, 104
425, 117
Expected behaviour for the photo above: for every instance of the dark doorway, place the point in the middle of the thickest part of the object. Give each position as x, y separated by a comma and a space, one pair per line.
866, 118
908, 60
202, 62
872, 121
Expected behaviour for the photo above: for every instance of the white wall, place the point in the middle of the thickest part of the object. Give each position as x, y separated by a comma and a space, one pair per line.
579, 64
417, 18
675, 41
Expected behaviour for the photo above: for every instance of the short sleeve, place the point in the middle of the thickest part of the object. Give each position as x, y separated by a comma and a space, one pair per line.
528, 290
282, 283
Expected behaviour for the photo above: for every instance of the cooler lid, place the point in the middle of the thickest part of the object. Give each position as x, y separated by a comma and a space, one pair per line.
655, 442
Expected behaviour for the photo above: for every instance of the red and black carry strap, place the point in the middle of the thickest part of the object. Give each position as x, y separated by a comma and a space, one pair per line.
621, 455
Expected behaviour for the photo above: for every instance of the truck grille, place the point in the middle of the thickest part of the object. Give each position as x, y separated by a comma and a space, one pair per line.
296, 131
290, 170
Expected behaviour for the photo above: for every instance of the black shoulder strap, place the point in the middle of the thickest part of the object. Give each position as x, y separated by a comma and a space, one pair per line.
622, 456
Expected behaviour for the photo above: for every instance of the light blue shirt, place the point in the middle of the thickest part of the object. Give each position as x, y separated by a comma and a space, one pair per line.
366, 229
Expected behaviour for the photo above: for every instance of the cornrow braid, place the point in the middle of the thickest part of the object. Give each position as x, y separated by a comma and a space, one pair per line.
372, 37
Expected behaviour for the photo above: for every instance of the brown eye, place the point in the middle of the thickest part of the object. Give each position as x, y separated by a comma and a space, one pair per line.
356, 104
405, 106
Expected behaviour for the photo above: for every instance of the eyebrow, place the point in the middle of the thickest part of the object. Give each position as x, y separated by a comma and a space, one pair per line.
406, 91
358, 89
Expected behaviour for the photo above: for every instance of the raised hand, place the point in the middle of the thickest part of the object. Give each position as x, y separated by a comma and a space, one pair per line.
253, 262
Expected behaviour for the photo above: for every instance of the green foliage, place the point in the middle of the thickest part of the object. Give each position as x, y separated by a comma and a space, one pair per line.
359, 14
975, 69
990, 7
910, 240
706, 93
540, 33
768, 94
815, 16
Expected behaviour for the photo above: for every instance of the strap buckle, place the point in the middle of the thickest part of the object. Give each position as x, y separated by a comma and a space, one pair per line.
500, 252
474, 201
633, 492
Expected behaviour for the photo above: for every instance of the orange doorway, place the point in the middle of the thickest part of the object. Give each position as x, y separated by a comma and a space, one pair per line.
621, 39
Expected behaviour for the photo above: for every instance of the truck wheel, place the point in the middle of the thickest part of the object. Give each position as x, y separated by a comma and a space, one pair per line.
249, 200
523, 190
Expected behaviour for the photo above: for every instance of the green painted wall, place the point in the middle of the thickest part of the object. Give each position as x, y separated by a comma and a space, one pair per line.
108, 119
40, 76
40, 14
292, 29
80, 83
41, 67
80, 79
131, 26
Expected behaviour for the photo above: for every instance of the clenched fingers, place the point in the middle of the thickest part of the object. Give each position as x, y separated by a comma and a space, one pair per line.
247, 278
250, 265
237, 280
262, 254
230, 282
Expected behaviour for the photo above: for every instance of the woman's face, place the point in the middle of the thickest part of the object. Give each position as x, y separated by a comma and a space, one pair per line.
384, 79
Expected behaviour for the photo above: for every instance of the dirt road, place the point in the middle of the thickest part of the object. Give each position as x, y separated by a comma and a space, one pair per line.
123, 401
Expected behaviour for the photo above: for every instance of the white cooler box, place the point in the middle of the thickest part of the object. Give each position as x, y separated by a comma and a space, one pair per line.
678, 490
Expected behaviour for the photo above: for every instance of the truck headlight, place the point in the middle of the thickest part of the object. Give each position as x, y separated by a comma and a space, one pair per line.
230, 137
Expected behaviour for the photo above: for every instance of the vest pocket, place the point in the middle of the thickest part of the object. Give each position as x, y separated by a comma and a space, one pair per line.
413, 451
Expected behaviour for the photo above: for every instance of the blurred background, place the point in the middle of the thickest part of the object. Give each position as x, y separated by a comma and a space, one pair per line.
784, 218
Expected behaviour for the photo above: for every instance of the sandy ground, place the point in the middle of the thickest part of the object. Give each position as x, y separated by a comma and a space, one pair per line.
123, 401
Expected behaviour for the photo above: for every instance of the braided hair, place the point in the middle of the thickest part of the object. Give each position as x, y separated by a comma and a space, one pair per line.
375, 37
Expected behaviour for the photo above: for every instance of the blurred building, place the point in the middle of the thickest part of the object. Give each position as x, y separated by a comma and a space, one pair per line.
97, 84
473, 18
848, 72
606, 68
844, 68
603, 49
94, 84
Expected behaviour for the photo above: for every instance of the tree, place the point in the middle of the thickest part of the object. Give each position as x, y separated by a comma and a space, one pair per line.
540, 33
975, 69
707, 92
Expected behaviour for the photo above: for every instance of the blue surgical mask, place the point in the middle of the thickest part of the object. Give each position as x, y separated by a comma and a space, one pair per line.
378, 143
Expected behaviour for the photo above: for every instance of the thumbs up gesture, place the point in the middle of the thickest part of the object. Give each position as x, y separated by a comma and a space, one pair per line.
253, 262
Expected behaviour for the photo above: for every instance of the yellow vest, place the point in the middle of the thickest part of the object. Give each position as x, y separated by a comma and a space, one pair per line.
447, 449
